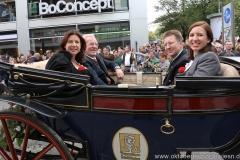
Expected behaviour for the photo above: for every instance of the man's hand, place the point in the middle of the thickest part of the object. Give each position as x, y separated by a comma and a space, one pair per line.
119, 73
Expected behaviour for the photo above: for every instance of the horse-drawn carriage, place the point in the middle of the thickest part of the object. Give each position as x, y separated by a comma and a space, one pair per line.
112, 122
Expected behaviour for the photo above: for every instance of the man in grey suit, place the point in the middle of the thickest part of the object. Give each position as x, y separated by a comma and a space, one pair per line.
173, 42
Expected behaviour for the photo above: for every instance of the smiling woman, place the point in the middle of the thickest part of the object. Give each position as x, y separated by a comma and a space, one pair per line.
204, 61
71, 58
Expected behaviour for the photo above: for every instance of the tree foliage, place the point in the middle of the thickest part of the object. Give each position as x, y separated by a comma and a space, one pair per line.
180, 14
152, 36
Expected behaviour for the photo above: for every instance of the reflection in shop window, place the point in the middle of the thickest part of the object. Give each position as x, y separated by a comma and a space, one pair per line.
121, 5
33, 8
7, 10
111, 35
42, 44
49, 32
9, 47
114, 40
102, 28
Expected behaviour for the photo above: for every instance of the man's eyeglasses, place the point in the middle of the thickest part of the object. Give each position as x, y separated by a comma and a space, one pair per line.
169, 43
92, 44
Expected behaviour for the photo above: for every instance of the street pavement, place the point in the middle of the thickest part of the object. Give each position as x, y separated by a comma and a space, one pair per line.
195, 155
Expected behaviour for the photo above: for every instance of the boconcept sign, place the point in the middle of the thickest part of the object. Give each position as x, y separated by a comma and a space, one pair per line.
45, 8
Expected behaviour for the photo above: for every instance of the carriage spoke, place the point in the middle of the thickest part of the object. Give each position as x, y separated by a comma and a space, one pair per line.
50, 146
4, 154
25, 141
9, 140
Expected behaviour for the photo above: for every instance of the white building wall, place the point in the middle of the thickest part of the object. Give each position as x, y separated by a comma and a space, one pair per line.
8, 26
216, 25
22, 26
138, 22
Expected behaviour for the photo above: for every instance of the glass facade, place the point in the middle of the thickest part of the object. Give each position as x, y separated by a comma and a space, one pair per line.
70, 7
9, 43
43, 39
7, 10
114, 34
9, 47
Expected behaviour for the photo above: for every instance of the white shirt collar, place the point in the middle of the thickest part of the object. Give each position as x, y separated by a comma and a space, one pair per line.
90, 57
177, 55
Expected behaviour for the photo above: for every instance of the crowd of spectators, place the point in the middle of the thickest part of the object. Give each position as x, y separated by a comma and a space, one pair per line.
22, 59
30, 58
149, 57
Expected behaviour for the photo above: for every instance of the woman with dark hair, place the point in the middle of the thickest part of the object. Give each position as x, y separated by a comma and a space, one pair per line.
71, 58
204, 61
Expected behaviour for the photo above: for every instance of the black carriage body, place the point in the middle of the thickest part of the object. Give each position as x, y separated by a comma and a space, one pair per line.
198, 114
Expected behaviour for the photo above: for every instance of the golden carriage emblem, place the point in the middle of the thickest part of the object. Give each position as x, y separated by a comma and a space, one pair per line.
129, 143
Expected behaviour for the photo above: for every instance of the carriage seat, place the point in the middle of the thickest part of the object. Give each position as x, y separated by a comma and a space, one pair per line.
228, 70
36, 65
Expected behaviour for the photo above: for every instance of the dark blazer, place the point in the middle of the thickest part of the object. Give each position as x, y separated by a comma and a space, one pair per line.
62, 62
180, 61
234, 52
102, 70
204, 64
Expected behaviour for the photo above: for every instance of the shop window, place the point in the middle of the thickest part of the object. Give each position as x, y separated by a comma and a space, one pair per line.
42, 44
121, 5
9, 47
50, 32
106, 27
114, 40
7, 10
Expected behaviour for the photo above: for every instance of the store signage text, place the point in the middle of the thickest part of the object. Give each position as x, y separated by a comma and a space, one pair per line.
113, 29
45, 8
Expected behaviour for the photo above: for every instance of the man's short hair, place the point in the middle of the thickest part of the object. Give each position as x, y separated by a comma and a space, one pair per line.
107, 49
88, 35
175, 33
31, 52
218, 45
218, 41
129, 47
228, 41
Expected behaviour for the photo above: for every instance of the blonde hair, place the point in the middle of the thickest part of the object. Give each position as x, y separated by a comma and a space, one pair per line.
238, 48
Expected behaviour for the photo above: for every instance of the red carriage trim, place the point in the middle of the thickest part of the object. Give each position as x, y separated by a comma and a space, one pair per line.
131, 104
205, 103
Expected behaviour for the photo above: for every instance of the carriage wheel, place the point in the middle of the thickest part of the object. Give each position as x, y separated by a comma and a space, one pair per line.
54, 141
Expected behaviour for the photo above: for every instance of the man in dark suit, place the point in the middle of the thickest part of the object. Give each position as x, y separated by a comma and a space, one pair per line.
229, 50
99, 64
173, 43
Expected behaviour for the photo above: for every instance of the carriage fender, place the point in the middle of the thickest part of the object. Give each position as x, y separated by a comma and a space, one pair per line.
40, 108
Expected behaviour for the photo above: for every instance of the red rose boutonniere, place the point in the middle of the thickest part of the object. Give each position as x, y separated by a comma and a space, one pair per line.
181, 69
81, 68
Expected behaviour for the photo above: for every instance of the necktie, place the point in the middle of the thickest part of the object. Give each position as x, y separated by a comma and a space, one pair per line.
108, 80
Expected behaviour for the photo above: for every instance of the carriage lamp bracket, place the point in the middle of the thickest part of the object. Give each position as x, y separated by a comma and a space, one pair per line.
17, 76
167, 125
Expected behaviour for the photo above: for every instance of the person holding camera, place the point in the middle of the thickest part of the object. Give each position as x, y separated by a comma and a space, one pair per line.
151, 63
